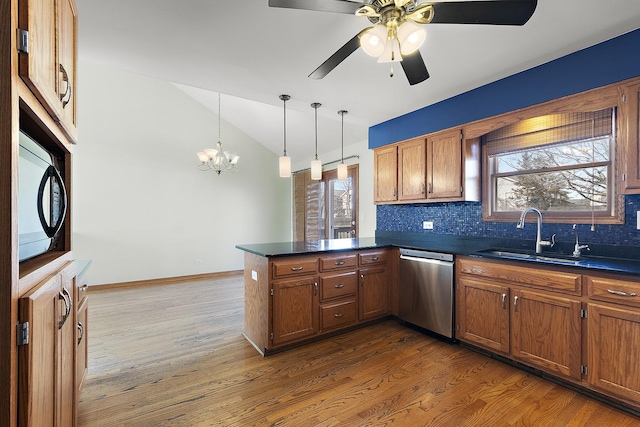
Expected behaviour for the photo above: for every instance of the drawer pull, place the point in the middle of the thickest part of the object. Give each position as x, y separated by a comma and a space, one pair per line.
339, 286
622, 294
297, 268
515, 304
83, 288
504, 301
338, 315
341, 262
375, 258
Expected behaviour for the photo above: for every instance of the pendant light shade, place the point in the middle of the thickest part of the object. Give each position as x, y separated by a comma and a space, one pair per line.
316, 165
284, 162
342, 168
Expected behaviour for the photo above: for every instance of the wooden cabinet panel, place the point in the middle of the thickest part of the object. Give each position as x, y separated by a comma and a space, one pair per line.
615, 291
338, 285
412, 169
373, 293
82, 340
293, 267
338, 314
331, 263
370, 258
67, 60
385, 174
545, 332
630, 138
483, 314
295, 309
444, 165
614, 351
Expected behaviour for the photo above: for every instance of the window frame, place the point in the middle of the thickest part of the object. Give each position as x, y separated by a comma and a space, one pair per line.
593, 100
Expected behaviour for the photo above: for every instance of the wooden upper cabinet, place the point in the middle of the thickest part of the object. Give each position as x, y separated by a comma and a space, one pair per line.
412, 169
444, 165
630, 128
48, 57
385, 173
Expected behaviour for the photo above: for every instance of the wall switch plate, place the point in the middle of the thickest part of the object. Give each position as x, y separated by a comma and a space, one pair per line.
254, 275
428, 225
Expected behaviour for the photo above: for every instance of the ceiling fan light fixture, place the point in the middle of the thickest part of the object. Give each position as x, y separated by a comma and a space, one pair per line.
391, 52
373, 41
411, 36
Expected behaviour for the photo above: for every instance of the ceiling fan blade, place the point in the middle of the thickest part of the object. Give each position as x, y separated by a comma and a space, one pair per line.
340, 55
414, 68
338, 6
496, 12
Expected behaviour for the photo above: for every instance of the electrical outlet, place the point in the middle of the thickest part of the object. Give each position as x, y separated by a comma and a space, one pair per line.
198, 261
638, 220
254, 275
427, 225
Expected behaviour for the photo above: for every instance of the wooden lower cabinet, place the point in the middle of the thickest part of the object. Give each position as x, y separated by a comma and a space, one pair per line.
47, 381
614, 351
373, 293
295, 309
290, 299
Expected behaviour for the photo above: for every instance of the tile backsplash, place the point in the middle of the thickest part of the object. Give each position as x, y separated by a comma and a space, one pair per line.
465, 219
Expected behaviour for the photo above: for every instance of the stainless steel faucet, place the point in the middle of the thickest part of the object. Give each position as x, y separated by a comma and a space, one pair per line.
539, 242
578, 247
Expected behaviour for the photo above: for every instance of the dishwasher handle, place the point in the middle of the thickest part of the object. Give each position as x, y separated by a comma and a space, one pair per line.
426, 260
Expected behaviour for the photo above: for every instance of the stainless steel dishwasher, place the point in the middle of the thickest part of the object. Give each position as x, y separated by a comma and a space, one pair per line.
426, 290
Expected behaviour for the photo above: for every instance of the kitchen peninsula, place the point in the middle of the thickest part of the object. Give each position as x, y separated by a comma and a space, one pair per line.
297, 291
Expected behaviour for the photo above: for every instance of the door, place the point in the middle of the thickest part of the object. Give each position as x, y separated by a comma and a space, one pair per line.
342, 217
545, 332
444, 164
614, 353
373, 298
483, 314
385, 174
295, 309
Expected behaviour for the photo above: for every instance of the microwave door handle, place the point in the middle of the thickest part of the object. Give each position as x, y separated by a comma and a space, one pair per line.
52, 173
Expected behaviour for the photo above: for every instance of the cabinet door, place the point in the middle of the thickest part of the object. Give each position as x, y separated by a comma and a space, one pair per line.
444, 165
385, 174
37, 67
483, 314
66, 382
412, 172
630, 119
295, 309
43, 308
545, 332
67, 63
373, 293
614, 350
82, 337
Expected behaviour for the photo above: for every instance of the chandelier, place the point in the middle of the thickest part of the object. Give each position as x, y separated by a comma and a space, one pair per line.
215, 158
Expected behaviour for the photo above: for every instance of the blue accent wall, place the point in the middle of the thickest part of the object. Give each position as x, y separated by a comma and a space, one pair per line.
599, 65
465, 219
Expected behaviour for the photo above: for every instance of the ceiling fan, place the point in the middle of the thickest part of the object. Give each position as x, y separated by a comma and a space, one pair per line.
396, 36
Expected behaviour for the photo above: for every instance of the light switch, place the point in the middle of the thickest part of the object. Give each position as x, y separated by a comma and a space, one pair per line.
254, 275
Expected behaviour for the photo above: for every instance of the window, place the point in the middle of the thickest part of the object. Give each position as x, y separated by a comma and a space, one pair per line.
562, 164
325, 209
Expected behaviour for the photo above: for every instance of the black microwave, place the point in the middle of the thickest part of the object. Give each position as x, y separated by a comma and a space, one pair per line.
42, 199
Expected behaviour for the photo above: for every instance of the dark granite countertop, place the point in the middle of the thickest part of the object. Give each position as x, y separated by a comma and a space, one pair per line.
608, 258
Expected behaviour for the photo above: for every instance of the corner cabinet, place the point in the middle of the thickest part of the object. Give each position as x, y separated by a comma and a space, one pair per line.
291, 299
48, 57
437, 167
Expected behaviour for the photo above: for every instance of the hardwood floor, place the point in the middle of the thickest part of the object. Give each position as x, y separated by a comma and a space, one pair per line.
173, 355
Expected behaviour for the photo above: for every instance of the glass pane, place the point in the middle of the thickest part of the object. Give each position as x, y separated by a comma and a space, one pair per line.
341, 220
314, 224
557, 155
581, 189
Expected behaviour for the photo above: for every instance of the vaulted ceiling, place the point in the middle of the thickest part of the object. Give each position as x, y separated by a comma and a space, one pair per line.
252, 53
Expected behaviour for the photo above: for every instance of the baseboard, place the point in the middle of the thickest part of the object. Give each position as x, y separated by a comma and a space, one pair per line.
165, 280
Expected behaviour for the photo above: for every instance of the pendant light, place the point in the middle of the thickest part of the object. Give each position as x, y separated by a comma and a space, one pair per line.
285, 161
342, 168
316, 165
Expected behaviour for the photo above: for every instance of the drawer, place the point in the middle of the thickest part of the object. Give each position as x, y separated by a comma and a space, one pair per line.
291, 267
372, 257
338, 285
331, 263
338, 314
613, 290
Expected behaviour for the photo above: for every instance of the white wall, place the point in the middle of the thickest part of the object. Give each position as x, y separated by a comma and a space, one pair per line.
141, 209
366, 208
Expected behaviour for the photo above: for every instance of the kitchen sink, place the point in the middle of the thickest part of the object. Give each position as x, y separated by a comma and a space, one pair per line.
530, 256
